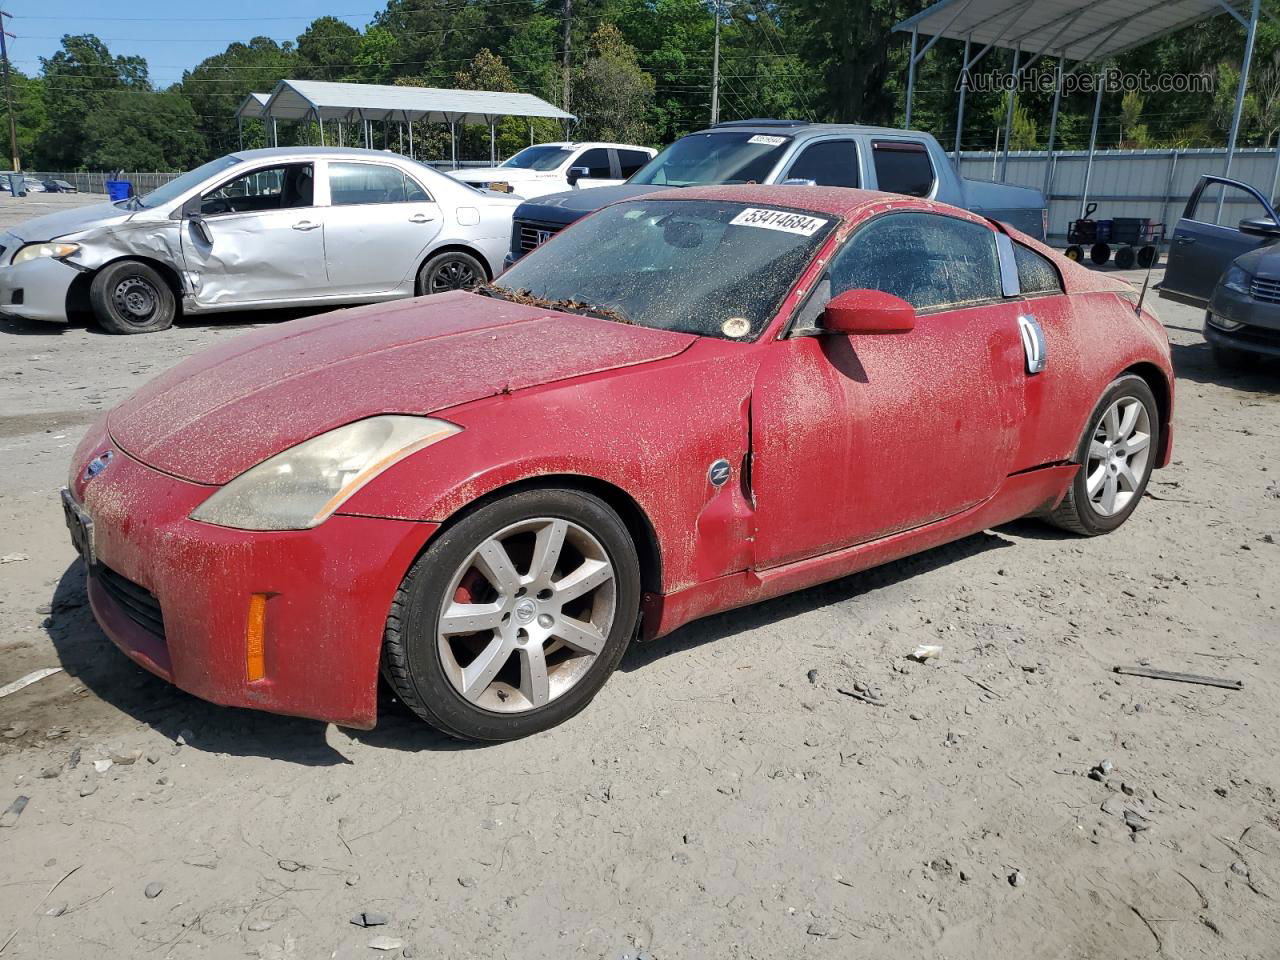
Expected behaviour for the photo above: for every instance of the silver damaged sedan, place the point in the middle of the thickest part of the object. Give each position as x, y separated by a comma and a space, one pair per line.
283, 227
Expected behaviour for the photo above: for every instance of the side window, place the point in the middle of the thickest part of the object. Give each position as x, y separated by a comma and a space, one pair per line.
829, 163
363, 183
902, 166
413, 191
631, 161
1035, 273
927, 259
596, 160
274, 188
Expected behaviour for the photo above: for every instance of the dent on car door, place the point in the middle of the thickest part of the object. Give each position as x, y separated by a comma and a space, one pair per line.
378, 226
1208, 237
256, 237
858, 437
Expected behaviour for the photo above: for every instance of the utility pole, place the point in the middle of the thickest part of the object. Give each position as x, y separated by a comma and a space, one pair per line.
568, 40
8, 97
715, 72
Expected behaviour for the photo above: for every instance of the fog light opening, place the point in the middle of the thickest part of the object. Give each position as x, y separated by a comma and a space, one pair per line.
255, 638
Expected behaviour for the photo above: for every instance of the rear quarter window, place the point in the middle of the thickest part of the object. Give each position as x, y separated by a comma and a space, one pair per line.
1036, 275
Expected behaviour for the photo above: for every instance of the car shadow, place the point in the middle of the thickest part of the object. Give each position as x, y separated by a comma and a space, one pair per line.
86, 654
231, 320
723, 625
1194, 362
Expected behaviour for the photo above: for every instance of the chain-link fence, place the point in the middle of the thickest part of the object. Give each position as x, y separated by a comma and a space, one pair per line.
144, 181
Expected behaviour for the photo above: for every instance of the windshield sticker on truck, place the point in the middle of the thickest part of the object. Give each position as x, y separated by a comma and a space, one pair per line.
782, 220
768, 141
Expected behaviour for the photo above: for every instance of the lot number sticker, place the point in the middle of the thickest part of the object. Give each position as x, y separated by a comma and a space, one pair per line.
767, 140
799, 223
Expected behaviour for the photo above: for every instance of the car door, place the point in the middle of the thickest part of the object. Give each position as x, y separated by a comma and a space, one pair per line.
1207, 237
378, 225
827, 163
855, 438
256, 237
595, 165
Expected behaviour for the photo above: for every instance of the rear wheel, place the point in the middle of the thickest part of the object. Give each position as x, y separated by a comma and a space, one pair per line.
1148, 256
1116, 455
1100, 253
451, 270
1125, 258
131, 297
1075, 252
515, 616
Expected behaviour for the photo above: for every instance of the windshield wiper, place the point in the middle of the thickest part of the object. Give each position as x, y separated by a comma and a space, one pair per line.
567, 305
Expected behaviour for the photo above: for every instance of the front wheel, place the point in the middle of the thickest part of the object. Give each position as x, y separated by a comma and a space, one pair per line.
1116, 456
515, 616
131, 297
451, 270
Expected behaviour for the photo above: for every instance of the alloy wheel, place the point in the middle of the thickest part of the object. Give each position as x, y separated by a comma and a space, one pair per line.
526, 615
1118, 455
452, 275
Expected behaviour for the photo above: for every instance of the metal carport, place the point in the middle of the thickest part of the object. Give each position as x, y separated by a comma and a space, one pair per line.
318, 101
252, 107
1069, 30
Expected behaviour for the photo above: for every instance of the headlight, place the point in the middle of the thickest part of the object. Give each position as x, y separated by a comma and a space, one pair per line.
1236, 279
302, 486
33, 250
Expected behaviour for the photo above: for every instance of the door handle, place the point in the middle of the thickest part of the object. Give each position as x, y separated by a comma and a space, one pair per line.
1183, 241
305, 225
420, 218
1033, 345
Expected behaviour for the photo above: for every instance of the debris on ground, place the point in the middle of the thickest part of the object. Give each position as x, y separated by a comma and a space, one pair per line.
1179, 677
153, 889
369, 918
926, 651
33, 677
14, 811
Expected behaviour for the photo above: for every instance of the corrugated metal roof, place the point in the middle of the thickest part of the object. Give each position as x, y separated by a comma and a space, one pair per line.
1092, 30
301, 99
252, 105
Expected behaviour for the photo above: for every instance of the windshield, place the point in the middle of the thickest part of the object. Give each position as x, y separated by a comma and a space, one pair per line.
544, 157
711, 268
192, 178
714, 158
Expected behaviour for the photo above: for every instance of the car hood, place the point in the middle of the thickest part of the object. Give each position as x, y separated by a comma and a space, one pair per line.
224, 410
565, 208
1263, 262
60, 224
506, 174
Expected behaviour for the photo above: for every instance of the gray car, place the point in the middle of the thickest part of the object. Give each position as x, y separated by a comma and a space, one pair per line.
1233, 270
283, 227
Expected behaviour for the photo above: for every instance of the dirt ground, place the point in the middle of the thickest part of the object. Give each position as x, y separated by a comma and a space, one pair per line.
722, 797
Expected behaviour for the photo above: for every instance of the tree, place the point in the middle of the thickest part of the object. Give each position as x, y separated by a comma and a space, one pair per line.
614, 95
77, 78
31, 114
327, 50
140, 130
218, 85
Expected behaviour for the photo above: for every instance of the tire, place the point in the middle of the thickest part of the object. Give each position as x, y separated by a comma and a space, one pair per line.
1148, 256
1080, 511
1075, 252
1125, 258
428, 666
1229, 358
1100, 253
451, 270
131, 297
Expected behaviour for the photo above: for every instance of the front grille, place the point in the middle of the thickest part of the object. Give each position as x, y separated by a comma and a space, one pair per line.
1267, 291
532, 234
137, 603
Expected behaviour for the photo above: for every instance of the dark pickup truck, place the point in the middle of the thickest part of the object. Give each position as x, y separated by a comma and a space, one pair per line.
789, 151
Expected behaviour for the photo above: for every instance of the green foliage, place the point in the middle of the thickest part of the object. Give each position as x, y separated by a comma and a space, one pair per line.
219, 84
614, 95
141, 130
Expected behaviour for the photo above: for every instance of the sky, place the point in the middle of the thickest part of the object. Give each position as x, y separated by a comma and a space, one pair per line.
174, 35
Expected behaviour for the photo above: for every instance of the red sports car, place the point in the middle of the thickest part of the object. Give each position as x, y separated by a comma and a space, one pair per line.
686, 403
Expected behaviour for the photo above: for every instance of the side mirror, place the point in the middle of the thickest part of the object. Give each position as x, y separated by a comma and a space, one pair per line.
577, 173
1260, 227
868, 311
191, 212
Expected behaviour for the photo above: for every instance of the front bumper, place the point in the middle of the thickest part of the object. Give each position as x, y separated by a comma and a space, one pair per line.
40, 286
328, 592
1261, 331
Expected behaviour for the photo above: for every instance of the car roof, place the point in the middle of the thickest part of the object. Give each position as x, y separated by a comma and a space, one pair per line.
269, 153
802, 128
835, 201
